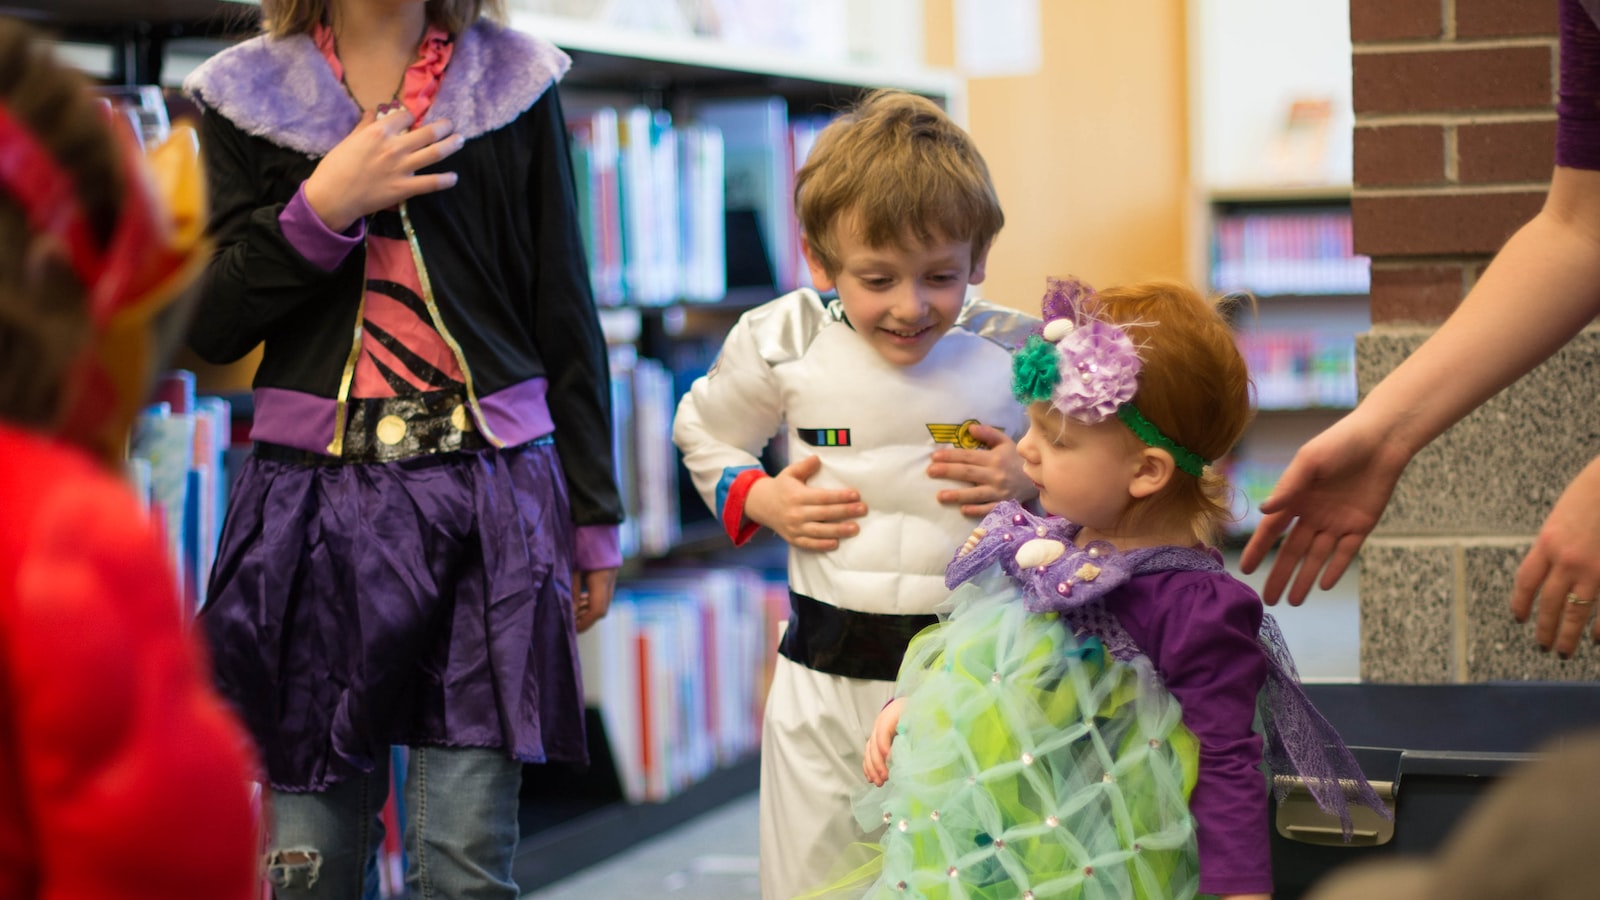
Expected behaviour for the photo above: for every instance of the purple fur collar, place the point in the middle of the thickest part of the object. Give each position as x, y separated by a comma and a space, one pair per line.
283, 90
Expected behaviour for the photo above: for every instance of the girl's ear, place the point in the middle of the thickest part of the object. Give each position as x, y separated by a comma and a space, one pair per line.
1154, 473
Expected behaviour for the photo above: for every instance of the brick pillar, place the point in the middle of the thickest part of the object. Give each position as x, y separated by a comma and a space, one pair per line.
1454, 142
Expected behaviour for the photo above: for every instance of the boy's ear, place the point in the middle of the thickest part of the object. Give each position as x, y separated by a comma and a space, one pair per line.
819, 275
980, 268
1154, 472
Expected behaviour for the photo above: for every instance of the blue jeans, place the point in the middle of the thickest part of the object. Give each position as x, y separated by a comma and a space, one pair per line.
460, 831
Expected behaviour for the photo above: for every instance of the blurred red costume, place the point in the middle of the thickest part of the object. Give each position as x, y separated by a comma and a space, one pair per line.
121, 774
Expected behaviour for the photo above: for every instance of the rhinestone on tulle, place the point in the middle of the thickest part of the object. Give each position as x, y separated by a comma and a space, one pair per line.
994, 677
1027, 759
899, 885
999, 845
972, 779
1154, 742
904, 825
1107, 778
952, 871
934, 815
1052, 821
1138, 848
1027, 895
1088, 870
887, 818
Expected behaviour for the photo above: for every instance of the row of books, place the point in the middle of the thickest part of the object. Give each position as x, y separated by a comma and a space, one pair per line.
643, 401
1268, 252
679, 669
175, 464
680, 211
1301, 369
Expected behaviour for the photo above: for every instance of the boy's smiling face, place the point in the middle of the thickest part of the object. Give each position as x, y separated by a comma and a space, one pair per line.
901, 300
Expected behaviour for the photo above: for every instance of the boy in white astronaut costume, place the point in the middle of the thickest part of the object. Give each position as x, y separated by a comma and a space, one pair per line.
898, 213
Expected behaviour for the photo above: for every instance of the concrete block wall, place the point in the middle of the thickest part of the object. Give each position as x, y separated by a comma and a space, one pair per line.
1454, 142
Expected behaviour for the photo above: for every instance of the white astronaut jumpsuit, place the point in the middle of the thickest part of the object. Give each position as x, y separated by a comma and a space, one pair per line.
796, 363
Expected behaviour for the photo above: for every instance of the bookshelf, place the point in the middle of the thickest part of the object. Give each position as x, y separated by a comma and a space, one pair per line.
1290, 250
1270, 214
684, 588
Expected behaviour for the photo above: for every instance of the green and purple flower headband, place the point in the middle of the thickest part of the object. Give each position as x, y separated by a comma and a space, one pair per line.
1088, 369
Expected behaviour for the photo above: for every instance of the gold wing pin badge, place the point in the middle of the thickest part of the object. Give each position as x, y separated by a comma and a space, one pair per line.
959, 435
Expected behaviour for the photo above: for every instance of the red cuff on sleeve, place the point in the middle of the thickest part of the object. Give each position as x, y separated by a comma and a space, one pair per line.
740, 529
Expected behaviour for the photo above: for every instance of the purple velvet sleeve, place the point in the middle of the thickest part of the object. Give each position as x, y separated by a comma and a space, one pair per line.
312, 238
1578, 109
1200, 628
597, 547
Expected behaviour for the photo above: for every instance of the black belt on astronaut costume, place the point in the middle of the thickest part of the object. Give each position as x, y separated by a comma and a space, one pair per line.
848, 642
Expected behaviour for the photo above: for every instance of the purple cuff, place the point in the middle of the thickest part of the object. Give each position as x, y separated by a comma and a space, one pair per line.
1578, 106
312, 238
597, 547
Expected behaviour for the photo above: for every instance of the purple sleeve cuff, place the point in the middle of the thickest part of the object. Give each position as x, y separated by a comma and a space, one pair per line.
1578, 106
597, 547
312, 238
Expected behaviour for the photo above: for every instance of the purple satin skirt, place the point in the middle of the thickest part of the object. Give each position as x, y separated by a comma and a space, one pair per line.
420, 602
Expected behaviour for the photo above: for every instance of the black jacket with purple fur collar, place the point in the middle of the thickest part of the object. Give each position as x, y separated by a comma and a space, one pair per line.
502, 247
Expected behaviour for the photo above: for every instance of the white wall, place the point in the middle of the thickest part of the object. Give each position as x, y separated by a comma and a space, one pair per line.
1248, 60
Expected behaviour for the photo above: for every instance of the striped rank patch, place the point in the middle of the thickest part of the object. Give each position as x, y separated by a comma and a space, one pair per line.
825, 437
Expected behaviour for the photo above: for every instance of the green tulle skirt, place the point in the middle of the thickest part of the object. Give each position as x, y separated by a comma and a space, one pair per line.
1029, 764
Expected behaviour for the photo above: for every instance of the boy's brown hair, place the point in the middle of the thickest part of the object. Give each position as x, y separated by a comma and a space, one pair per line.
44, 318
1194, 386
282, 18
903, 173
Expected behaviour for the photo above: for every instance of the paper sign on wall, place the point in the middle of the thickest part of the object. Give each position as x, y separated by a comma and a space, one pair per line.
997, 37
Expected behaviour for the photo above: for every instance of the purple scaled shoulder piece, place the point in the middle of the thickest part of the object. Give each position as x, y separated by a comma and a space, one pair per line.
1056, 575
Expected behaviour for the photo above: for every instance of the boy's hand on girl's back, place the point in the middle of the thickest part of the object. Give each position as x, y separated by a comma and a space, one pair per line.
995, 472
807, 517
375, 167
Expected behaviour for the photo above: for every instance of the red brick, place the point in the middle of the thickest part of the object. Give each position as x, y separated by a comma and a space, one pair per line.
1439, 225
1505, 18
1388, 155
1504, 151
1395, 20
1445, 80
1423, 295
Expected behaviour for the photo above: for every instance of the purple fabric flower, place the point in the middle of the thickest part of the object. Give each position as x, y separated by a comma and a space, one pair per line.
1099, 371
1064, 298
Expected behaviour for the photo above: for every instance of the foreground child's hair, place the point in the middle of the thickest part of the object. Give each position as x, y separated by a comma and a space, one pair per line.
896, 169
1194, 386
282, 18
44, 318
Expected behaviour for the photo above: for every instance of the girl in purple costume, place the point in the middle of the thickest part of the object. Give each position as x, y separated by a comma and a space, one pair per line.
1081, 724
428, 515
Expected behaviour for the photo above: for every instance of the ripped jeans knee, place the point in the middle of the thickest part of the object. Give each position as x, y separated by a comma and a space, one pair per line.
293, 869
